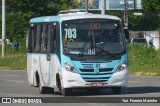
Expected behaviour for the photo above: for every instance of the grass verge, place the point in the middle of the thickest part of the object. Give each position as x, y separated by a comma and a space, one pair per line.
14, 61
143, 60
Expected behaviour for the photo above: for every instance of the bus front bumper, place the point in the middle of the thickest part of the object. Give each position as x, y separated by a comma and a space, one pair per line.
74, 80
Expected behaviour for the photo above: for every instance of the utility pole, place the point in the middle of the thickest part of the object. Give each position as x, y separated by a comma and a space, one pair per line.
86, 6
126, 13
135, 1
103, 7
3, 27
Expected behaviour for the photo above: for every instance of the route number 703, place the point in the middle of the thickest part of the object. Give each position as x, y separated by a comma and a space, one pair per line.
70, 33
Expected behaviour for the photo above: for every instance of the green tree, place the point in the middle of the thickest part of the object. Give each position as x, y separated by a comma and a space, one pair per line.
152, 19
19, 12
38, 8
151, 5
148, 22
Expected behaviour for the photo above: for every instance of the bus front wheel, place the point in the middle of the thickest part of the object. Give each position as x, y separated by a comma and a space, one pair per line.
63, 91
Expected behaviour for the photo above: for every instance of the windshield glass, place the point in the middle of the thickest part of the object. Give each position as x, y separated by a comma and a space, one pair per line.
93, 37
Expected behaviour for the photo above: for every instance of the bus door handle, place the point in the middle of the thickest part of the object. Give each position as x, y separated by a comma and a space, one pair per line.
48, 57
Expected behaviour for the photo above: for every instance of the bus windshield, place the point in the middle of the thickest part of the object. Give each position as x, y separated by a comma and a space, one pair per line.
93, 37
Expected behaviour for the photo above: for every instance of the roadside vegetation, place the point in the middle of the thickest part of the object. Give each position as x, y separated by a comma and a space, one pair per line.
143, 60
14, 60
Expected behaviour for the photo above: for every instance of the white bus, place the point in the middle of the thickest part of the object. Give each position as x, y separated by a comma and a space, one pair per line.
76, 51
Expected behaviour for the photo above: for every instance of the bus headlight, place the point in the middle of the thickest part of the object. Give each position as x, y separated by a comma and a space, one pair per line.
68, 67
121, 67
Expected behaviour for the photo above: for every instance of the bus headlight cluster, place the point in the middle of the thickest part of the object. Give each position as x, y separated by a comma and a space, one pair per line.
68, 67
121, 67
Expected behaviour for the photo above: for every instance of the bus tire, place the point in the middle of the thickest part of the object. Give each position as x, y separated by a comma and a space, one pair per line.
37, 79
116, 90
42, 90
58, 83
63, 91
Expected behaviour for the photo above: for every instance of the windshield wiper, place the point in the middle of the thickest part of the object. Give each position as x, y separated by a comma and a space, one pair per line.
81, 53
124, 51
105, 51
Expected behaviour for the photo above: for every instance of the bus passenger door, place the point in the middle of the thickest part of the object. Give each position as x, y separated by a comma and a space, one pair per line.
45, 67
45, 55
48, 59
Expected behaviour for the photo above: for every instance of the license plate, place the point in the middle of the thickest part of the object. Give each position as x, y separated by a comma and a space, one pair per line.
97, 84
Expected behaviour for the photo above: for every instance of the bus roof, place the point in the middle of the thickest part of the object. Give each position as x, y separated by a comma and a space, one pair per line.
71, 17
66, 12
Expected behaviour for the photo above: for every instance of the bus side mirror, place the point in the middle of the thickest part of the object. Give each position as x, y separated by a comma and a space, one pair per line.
126, 31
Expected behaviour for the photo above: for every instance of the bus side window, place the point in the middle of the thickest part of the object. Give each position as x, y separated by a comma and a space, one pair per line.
38, 38
54, 34
47, 39
34, 38
50, 37
30, 38
44, 38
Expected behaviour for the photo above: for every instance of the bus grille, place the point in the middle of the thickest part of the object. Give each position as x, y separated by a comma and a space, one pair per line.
89, 75
105, 69
87, 70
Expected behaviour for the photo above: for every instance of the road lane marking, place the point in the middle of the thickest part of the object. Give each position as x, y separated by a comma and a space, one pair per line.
9, 76
16, 81
12, 70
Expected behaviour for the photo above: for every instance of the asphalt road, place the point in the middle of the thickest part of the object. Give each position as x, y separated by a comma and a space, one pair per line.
14, 84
